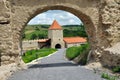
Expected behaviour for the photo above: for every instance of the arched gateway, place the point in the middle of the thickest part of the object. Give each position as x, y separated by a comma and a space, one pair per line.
100, 17
58, 46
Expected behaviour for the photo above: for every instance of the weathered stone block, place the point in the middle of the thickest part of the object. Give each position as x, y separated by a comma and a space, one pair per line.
12, 59
111, 56
5, 58
5, 12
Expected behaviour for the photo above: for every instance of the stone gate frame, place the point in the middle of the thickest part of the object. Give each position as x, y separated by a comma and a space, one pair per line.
100, 17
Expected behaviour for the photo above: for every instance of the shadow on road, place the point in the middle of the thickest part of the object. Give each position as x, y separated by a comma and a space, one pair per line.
52, 65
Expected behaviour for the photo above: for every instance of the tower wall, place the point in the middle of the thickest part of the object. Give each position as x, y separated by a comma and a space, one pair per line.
56, 37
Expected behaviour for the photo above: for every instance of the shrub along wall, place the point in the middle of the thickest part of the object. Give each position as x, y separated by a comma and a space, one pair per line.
78, 54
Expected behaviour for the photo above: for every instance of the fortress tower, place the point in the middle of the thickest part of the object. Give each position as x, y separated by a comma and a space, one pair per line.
55, 33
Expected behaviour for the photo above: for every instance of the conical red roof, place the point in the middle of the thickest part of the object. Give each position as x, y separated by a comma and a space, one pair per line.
55, 26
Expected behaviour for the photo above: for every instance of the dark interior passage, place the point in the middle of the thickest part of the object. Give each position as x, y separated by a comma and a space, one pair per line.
57, 46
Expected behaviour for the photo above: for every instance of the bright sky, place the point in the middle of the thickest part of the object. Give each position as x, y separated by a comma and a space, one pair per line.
63, 18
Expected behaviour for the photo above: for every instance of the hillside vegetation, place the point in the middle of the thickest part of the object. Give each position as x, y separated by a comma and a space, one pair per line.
41, 31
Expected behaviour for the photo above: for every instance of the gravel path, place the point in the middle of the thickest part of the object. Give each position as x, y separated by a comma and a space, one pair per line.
55, 67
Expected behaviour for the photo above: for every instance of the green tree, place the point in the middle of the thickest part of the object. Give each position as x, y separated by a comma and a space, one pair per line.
41, 36
36, 28
33, 36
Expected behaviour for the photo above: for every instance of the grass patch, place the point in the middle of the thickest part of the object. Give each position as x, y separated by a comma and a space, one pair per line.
116, 69
81, 52
72, 52
34, 54
109, 77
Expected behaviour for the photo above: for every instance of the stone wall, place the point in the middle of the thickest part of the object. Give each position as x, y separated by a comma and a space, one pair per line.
110, 34
100, 17
73, 44
7, 56
30, 44
111, 56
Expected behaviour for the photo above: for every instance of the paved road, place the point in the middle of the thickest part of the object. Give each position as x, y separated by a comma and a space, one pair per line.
55, 67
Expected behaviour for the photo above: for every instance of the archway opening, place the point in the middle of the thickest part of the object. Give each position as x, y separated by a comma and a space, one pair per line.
88, 23
57, 46
72, 30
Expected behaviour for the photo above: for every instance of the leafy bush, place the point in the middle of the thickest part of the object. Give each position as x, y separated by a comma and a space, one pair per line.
81, 52
37, 28
34, 54
33, 36
116, 69
72, 52
109, 77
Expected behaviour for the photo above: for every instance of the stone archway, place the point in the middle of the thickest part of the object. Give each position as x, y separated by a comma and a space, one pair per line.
57, 46
102, 30
88, 20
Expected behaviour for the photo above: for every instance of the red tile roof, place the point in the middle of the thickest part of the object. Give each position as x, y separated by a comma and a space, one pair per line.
55, 26
74, 40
